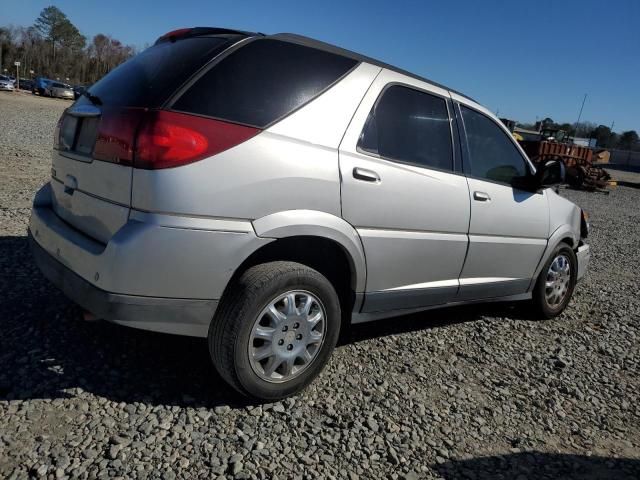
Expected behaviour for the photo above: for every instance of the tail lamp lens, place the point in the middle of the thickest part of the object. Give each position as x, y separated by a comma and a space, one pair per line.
116, 135
170, 139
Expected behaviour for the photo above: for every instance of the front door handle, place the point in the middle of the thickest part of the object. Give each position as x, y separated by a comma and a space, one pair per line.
365, 175
481, 196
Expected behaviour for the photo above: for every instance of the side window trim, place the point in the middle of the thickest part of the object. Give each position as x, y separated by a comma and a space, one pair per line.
464, 145
404, 162
456, 137
466, 156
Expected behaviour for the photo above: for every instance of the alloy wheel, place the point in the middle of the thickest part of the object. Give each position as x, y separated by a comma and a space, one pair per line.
558, 281
287, 336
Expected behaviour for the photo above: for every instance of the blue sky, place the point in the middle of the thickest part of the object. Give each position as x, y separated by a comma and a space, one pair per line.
525, 59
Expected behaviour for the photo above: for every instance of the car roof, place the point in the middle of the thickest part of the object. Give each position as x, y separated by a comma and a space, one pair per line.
313, 43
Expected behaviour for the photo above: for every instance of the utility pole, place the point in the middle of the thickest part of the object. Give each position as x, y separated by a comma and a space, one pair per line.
579, 115
17, 64
610, 134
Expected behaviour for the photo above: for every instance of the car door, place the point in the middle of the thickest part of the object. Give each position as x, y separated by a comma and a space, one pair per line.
509, 226
401, 192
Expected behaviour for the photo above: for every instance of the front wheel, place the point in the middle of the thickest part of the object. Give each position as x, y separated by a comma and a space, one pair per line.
275, 329
556, 282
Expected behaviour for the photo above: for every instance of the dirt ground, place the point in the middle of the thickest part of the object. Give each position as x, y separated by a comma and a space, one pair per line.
482, 392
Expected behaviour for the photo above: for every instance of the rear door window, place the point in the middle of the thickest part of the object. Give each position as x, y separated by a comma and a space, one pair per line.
262, 82
493, 155
410, 126
148, 79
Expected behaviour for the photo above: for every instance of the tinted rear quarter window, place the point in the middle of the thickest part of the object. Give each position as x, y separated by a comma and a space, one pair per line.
148, 79
263, 81
493, 154
409, 126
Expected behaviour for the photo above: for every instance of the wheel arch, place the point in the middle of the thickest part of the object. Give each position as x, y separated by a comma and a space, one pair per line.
562, 234
319, 240
318, 225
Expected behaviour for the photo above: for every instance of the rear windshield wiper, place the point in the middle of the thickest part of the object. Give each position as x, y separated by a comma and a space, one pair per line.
93, 98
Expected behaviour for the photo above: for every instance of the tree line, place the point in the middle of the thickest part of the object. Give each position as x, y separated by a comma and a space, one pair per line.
605, 137
53, 47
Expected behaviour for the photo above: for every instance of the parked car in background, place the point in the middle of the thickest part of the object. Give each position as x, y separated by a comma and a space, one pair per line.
60, 90
78, 90
6, 85
7, 78
265, 191
40, 85
26, 84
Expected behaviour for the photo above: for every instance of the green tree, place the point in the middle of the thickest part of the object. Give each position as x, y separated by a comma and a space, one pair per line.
629, 140
613, 141
567, 127
55, 27
602, 134
584, 129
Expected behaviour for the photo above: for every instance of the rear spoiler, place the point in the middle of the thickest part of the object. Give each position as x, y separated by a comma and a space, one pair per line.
173, 35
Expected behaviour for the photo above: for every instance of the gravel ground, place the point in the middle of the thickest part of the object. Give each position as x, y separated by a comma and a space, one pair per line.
482, 392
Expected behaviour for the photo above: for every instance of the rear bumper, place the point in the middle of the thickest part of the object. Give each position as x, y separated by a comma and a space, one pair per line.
169, 315
584, 255
158, 272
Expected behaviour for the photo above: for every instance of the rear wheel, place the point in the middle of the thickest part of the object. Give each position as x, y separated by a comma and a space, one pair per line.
556, 282
275, 330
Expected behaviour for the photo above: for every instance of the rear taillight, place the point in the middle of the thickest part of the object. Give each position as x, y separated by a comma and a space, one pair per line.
116, 135
159, 139
169, 139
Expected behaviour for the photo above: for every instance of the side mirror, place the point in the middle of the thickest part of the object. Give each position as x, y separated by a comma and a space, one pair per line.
551, 174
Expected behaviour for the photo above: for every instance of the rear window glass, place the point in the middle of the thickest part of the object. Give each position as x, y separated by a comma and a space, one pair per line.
263, 81
150, 77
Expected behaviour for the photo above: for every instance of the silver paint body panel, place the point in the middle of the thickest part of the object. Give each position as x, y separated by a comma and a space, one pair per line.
407, 236
415, 238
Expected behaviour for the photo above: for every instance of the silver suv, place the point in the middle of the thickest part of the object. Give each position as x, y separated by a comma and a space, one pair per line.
265, 191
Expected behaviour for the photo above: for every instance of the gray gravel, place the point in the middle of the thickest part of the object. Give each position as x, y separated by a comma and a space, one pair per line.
482, 392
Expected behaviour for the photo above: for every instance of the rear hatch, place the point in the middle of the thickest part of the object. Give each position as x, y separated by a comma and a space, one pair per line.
95, 138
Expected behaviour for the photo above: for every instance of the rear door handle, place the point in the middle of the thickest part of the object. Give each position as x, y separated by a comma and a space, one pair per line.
365, 175
481, 196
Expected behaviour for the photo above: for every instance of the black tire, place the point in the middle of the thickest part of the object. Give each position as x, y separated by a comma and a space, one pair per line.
539, 300
230, 330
